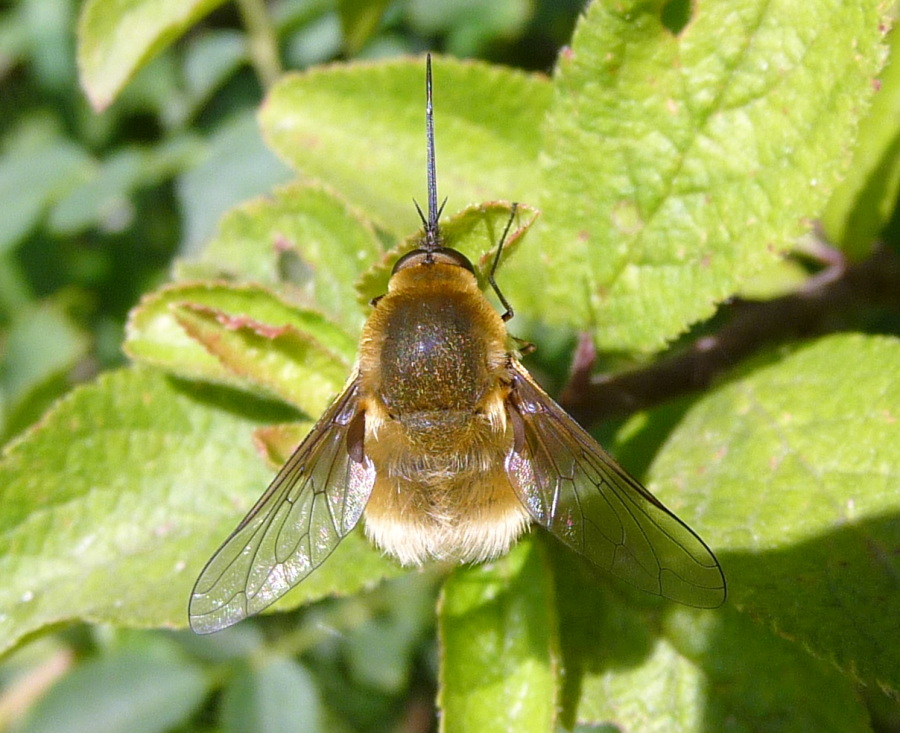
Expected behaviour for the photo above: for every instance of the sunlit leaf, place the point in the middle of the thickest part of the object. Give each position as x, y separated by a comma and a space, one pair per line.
792, 471
677, 166
114, 503
863, 203
498, 645
374, 153
243, 336
117, 37
302, 237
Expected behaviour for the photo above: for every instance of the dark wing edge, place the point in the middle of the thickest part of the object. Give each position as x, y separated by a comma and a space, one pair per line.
313, 502
576, 490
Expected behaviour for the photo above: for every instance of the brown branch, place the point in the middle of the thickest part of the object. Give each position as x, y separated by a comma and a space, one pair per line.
829, 301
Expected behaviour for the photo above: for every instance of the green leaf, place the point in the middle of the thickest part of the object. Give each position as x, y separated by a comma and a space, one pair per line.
487, 128
863, 203
117, 37
210, 60
51, 45
278, 696
784, 276
237, 166
104, 198
31, 178
756, 676
243, 336
15, 37
40, 347
157, 90
470, 27
635, 664
792, 470
288, 362
301, 235
359, 20
497, 630
114, 502
679, 165
311, 32
127, 691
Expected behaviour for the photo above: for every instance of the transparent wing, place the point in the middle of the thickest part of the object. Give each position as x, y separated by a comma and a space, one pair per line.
310, 506
573, 488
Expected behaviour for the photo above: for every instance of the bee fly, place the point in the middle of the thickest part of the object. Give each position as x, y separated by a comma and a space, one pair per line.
442, 440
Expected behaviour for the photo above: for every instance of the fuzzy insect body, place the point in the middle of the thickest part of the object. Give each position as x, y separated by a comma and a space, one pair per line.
449, 449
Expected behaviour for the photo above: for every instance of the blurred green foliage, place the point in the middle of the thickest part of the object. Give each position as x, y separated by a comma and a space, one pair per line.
98, 204
95, 205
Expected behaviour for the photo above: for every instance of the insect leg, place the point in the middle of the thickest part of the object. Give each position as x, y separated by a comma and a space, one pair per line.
508, 313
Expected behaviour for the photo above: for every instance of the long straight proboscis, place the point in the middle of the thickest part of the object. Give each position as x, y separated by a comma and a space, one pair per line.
434, 213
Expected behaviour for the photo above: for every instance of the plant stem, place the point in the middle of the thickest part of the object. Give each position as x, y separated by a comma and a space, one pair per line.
262, 39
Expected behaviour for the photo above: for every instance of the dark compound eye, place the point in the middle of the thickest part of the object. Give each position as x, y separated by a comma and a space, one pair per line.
442, 255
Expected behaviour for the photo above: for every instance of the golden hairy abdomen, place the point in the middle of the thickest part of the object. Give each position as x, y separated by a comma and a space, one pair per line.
456, 504
433, 379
